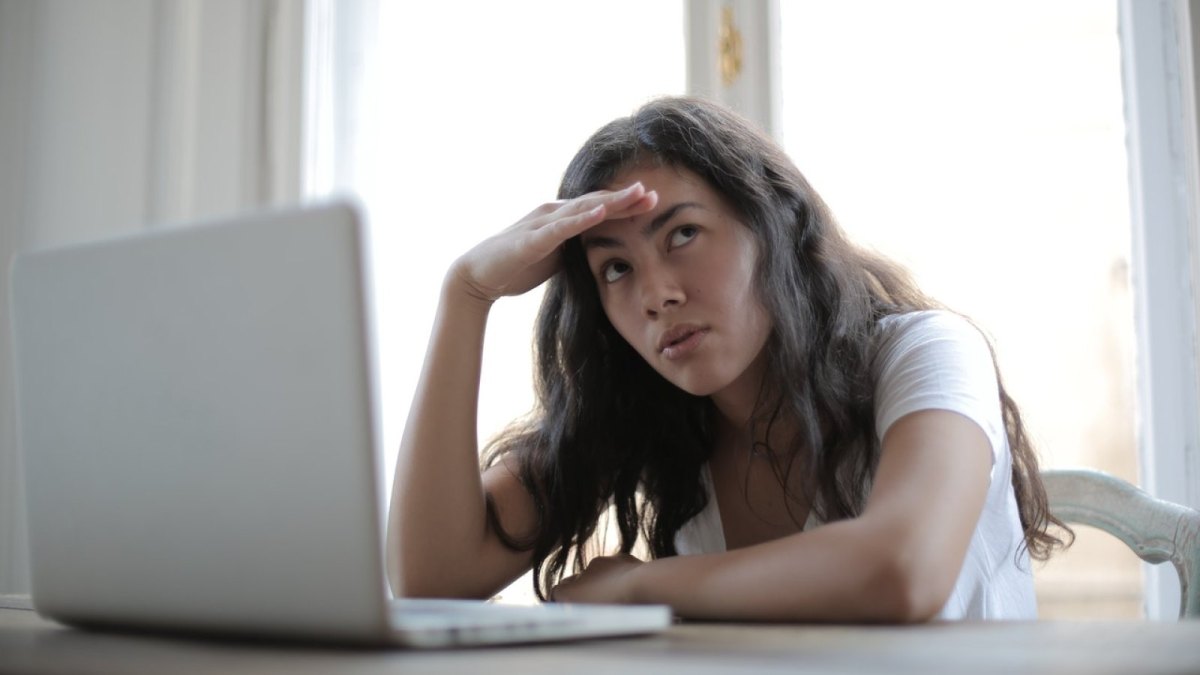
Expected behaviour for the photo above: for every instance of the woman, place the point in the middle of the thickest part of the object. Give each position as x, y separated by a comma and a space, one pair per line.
731, 378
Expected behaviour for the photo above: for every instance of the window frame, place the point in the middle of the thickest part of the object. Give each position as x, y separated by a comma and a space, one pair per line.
1157, 57
1159, 70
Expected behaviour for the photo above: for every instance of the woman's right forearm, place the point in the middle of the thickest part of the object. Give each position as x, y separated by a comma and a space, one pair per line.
437, 521
439, 542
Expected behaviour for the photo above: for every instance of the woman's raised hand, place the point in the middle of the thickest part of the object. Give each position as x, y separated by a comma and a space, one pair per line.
526, 254
440, 540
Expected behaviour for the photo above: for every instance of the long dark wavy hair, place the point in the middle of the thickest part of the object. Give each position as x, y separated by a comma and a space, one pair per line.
608, 432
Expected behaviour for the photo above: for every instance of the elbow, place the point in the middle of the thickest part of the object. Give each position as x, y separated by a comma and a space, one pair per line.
419, 578
405, 577
406, 581
424, 586
412, 579
414, 586
909, 588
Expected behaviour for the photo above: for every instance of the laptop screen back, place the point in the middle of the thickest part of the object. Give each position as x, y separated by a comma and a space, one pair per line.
196, 415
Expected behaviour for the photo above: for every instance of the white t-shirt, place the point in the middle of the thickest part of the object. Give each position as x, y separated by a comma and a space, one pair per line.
936, 360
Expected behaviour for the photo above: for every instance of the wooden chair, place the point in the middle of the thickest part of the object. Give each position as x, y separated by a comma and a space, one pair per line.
1156, 530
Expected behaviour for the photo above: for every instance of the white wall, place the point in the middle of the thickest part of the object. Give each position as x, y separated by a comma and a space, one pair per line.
117, 115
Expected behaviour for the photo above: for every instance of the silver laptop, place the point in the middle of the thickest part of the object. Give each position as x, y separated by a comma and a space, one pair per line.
200, 434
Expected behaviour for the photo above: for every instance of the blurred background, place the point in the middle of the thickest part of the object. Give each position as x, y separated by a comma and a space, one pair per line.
986, 146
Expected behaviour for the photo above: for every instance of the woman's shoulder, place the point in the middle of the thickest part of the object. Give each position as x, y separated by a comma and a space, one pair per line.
898, 334
935, 359
926, 321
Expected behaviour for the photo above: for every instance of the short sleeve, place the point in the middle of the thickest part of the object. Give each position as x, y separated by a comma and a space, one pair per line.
937, 360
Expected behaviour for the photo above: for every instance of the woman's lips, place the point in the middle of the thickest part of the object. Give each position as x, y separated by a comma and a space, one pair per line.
684, 344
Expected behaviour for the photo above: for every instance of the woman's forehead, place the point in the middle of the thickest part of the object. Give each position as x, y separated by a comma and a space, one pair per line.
661, 177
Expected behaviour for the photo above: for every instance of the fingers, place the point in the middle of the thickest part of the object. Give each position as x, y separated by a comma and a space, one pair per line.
605, 562
604, 579
562, 590
525, 254
646, 203
555, 232
569, 221
612, 201
611, 198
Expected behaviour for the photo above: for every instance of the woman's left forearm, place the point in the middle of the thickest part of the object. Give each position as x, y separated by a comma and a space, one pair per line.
839, 572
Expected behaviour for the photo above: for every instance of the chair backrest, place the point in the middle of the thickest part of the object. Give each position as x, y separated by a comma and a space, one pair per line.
1156, 530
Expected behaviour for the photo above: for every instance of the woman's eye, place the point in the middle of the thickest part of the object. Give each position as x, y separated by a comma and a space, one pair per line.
614, 271
683, 235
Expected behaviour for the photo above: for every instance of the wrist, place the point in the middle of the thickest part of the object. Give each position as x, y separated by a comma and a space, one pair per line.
641, 586
457, 289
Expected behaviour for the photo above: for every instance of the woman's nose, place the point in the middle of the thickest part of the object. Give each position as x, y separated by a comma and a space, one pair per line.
661, 291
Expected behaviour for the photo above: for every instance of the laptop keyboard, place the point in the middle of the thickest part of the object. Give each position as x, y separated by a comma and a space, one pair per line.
437, 613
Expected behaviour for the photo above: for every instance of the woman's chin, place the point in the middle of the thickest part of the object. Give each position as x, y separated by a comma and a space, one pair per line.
696, 386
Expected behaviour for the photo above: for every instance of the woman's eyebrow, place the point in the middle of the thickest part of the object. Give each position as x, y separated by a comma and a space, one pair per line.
662, 218
591, 241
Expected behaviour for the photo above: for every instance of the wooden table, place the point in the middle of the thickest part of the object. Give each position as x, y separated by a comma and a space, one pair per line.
29, 644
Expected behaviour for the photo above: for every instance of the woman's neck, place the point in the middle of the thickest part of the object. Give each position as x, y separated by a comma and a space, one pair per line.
767, 431
738, 402
758, 425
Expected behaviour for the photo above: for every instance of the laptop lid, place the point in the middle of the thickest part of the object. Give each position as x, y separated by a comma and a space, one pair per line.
179, 394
